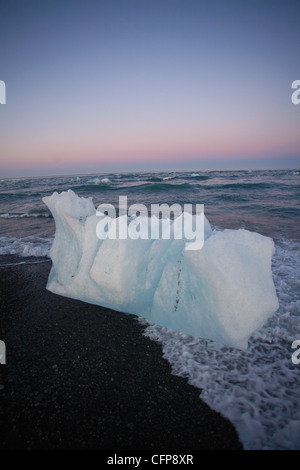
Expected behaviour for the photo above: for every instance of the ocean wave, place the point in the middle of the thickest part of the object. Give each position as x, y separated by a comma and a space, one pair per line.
32, 246
15, 261
7, 196
14, 195
157, 179
92, 188
141, 186
199, 177
29, 215
161, 186
285, 211
237, 186
182, 176
129, 176
98, 180
247, 186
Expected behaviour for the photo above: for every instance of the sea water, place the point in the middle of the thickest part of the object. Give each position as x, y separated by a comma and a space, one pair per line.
257, 389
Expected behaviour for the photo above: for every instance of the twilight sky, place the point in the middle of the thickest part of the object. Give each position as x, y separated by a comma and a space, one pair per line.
107, 85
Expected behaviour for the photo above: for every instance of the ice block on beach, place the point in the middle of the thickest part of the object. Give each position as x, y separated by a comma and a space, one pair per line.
223, 292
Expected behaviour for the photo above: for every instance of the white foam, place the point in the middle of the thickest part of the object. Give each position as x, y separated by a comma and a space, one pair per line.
257, 389
94, 180
25, 247
21, 216
99, 181
105, 181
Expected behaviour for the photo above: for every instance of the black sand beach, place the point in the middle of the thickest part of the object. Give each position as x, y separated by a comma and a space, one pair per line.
79, 376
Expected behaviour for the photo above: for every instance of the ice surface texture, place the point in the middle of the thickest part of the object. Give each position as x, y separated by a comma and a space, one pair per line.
223, 292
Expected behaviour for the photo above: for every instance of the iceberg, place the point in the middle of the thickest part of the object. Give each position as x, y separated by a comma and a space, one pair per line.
223, 292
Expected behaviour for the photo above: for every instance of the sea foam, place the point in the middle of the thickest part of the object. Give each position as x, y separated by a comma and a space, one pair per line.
26, 247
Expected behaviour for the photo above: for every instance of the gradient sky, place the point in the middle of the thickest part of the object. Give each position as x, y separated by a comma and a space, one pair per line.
109, 85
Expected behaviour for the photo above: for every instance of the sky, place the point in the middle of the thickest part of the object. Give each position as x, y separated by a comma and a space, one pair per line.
113, 85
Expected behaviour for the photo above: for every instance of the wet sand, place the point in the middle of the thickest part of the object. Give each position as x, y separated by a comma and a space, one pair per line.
79, 376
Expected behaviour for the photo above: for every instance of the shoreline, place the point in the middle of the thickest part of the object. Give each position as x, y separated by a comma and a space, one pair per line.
80, 376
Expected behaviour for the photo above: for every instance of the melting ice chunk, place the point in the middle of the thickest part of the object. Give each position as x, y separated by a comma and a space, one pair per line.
223, 292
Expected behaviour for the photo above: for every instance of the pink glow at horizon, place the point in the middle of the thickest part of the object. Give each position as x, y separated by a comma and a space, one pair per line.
167, 83
137, 151
150, 147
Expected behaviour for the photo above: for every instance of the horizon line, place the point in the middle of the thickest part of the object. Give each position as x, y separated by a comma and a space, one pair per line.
183, 170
